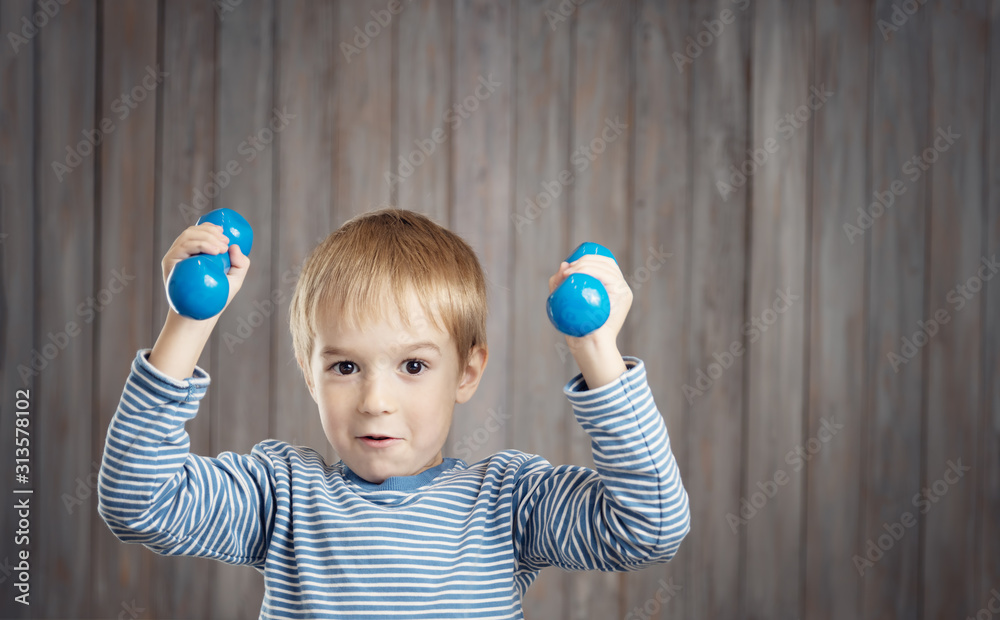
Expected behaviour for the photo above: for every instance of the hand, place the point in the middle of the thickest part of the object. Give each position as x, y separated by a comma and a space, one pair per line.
207, 238
597, 352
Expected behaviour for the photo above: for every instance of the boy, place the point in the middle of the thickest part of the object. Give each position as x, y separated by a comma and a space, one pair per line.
389, 328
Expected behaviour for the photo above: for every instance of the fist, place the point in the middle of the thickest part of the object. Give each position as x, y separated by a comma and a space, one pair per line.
606, 270
207, 238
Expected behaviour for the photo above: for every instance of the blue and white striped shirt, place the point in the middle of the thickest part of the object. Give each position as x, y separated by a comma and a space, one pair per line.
454, 541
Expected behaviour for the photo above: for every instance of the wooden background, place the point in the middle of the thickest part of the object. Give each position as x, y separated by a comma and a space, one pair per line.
897, 70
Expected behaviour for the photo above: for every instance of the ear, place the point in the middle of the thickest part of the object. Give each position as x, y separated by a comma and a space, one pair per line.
471, 374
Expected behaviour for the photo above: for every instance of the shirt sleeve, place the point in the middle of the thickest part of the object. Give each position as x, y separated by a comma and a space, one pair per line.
632, 512
153, 491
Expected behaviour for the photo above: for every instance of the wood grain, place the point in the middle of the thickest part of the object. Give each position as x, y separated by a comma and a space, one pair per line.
18, 241
305, 52
837, 379
68, 275
659, 254
988, 498
364, 90
778, 255
716, 419
897, 299
959, 36
481, 190
424, 91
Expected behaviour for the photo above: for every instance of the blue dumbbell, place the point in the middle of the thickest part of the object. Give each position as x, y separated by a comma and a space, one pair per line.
197, 287
580, 304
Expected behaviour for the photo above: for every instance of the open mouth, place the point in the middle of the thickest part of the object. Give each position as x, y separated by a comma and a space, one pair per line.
378, 441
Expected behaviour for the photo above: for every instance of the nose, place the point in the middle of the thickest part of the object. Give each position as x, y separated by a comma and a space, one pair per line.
376, 395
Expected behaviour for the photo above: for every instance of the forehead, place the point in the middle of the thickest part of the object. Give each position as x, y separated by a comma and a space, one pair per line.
393, 329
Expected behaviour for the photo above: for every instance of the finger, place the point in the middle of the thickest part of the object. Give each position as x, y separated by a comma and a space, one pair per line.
202, 241
237, 258
608, 274
592, 261
560, 275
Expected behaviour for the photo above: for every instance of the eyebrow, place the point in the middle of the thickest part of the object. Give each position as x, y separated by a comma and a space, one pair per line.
333, 351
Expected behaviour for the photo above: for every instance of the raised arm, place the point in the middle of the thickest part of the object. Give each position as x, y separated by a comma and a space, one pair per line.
152, 490
631, 512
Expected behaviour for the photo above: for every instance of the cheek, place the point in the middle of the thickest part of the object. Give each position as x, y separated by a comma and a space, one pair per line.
331, 405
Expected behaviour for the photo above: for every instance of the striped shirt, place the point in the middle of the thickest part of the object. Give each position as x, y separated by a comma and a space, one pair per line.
455, 541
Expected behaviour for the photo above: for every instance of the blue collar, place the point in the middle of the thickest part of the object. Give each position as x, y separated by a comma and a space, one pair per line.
401, 483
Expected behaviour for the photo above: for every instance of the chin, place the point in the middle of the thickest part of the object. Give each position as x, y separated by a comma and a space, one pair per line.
377, 474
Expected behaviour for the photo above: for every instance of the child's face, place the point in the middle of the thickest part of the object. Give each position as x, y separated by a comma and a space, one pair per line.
386, 393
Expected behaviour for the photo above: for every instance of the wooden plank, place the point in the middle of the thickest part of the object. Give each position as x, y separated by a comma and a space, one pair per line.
247, 128
779, 178
17, 265
716, 421
63, 432
896, 302
959, 39
659, 249
540, 415
305, 49
423, 139
836, 347
600, 137
482, 197
988, 500
130, 79
182, 586
364, 109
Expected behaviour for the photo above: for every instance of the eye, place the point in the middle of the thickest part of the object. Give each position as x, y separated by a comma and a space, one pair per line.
414, 367
344, 368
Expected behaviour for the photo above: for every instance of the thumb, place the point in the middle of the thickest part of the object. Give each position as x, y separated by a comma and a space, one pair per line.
239, 265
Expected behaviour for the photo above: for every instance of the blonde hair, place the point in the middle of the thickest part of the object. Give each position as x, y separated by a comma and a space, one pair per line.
365, 270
